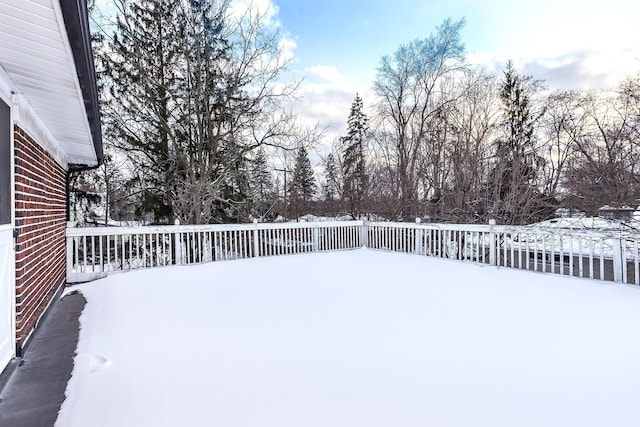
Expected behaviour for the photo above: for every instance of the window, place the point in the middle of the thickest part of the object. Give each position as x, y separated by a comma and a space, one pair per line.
5, 163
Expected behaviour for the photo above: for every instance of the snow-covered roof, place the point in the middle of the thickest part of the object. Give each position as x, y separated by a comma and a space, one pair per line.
46, 63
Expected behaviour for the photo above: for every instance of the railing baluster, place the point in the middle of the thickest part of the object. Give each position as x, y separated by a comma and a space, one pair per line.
108, 266
571, 256
544, 253
123, 252
636, 262
151, 251
236, 251
580, 251
101, 252
129, 239
591, 242
535, 251
84, 254
553, 256
602, 258
116, 257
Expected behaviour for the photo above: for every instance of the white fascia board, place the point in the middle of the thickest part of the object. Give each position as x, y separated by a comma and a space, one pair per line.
6, 87
82, 161
72, 65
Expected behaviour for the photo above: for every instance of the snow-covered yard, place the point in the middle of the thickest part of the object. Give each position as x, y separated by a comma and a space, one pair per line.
354, 338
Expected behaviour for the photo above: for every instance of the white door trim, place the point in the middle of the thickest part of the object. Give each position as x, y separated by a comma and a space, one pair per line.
7, 240
7, 255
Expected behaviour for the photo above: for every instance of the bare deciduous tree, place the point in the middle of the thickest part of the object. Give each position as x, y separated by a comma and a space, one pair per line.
605, 167
407, 86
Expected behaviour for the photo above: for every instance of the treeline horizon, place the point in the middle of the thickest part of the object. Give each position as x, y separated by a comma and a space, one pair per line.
194, 114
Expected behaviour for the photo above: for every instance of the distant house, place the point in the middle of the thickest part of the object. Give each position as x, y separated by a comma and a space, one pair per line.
624, 213
49, 126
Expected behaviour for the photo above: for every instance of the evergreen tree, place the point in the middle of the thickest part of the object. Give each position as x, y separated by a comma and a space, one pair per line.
514, 187
262, 187
353, 160
331, 187
139, 71
261, 179
303, 183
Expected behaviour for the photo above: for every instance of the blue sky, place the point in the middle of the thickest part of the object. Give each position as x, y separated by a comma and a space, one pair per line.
336, 45
353, 35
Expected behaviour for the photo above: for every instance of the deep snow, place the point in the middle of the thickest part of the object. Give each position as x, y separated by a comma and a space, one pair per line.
354, 338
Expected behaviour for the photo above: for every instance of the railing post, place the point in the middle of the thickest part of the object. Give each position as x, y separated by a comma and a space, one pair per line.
364, 234
492, 242
619, 263
316, 238
69, 256
417, 246
178, 243
256, 245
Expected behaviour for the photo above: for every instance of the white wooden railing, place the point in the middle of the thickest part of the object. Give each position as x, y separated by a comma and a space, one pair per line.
94, 252
612, 256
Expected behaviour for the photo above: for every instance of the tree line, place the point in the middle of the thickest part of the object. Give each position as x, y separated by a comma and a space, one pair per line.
195, 112
447, 141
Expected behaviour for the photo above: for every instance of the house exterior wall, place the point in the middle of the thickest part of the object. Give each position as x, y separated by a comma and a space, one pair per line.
40, 220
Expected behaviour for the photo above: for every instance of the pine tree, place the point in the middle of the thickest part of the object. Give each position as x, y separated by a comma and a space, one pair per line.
139, 70
354, 169
515, 194
260, 177
261, 184
331, 187
303, 184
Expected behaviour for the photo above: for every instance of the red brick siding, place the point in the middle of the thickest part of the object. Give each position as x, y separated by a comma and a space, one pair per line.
40, 220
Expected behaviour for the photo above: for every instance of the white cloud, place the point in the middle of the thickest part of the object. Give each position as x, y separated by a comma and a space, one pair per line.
260, 7
572, 44
288, 47
577, 69
326, 72
325, 98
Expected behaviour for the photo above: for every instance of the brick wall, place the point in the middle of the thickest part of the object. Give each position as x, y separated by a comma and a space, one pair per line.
40, 220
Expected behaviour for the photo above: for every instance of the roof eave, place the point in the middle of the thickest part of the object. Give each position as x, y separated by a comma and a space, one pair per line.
76, 19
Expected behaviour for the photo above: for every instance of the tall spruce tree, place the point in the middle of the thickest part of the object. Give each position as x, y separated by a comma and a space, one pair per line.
139, 70
331, 188
303, 184
353, 158
263, 196
516, 198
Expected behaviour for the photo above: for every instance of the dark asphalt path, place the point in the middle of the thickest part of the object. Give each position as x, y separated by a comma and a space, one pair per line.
34, 391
